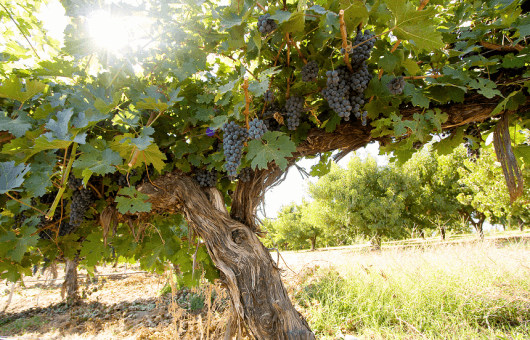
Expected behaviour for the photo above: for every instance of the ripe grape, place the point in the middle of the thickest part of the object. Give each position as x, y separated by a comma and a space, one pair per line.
233, 143
206, 178
361, 53
473, 149
269, 96
244, 175
293, 110
310, 71
256, 129
266, 25
396, 85
81, 201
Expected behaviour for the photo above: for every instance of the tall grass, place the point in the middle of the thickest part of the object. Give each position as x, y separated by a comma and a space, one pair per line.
479, 291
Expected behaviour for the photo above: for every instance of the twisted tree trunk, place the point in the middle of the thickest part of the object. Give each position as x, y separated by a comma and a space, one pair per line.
70, 284
248, 271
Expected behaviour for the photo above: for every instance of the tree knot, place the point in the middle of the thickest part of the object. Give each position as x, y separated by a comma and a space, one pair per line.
239, 235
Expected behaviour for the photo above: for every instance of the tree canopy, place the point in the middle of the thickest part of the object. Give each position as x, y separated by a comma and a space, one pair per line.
229, 97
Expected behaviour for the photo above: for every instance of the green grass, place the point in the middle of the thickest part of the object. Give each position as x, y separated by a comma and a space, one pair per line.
451, 292
20, 326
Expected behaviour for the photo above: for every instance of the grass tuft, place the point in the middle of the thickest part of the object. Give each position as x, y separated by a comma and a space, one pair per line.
450, 292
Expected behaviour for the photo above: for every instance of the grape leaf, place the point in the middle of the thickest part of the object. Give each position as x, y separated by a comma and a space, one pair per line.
92, 249
18, 127
11, 176
12, 88
415, 26
151, 155
97, 161
273, 146
15, 247
135, 202
37, 183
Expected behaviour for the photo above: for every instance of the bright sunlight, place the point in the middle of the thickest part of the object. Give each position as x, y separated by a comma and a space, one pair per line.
109, 31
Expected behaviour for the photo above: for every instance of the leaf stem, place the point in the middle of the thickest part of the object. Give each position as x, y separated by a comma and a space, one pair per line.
66, 173
27, 205
16, 24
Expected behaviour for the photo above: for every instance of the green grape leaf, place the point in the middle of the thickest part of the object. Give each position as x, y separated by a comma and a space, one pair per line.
411, 66
97, 161
17, 127
417, 27
14, 246
273, 146
131, 200
151, 155
281, 16
37, 183
92, 249
12, 88
11, 176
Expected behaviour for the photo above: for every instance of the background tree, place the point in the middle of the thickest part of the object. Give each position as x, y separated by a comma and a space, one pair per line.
143, 126
487, 192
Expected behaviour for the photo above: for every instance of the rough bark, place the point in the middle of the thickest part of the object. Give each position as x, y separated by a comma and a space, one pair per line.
248, 271
70, 284
313, 243
442, 233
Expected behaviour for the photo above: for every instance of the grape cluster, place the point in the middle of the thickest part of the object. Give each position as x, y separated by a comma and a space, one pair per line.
310, 72
122, 178
216, 110
244, 175
396, 85
64, 229
361, 53
266, 25
344, 91
206, 178
268, 118
19, 220
364, 120
234, 137
473, 153
81, 200
256, 129
417, 145
293, 110
48, 198
74, 183
269, 96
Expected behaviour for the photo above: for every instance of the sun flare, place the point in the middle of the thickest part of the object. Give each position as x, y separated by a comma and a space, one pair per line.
109, 31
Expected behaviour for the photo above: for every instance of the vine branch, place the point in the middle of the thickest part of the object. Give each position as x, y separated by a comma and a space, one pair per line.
344, 35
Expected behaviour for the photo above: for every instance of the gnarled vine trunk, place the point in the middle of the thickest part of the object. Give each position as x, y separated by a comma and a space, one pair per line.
70, 284
248, 270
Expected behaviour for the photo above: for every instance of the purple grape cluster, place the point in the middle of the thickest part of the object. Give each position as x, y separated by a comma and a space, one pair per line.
293, 110
269, 96
265, 24
268, 118
396, 85
344, 91
256, 128
233, 143
310, 72
205, 178
74, 183
362, 53
244, 175
82, 199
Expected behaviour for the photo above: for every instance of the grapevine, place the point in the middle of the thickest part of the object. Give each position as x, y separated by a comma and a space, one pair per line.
396, 85
233, 143
257, 128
